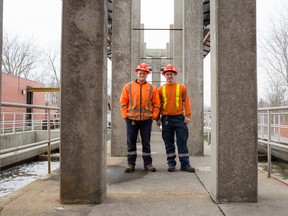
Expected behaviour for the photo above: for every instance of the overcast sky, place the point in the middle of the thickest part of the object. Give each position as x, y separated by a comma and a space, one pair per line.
41, 20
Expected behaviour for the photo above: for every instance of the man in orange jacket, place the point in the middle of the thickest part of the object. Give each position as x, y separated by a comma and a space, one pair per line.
176, 111
140, 105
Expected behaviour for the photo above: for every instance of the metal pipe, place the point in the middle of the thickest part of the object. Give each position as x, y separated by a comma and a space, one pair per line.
273, 144
269, 147
269, 160
273, 108
5, 151
5, 104
49, 146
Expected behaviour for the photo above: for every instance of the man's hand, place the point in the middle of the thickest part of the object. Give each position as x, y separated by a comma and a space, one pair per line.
186, 120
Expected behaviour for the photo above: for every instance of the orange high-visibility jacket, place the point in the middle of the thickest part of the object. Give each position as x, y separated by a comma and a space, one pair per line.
139, 102
174, 100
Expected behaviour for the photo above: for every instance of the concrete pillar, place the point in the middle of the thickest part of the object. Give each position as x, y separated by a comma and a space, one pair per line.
234, 101
156, 63
135, 36
193, 71
171, 45
178, 40
83, 102
142, 44
121, 71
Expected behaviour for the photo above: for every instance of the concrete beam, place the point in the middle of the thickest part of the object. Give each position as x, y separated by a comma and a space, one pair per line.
83, 102
234, 101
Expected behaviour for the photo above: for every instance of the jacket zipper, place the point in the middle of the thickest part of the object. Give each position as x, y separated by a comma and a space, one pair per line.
140, 102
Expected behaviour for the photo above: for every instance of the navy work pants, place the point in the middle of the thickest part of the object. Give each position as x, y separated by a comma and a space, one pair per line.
132, 128
170, 126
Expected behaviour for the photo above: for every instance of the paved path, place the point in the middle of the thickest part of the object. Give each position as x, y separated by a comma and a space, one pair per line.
141, 193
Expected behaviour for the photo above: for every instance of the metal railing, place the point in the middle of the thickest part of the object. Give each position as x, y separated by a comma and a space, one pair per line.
48, 111
14, 122
272, 130
207, 126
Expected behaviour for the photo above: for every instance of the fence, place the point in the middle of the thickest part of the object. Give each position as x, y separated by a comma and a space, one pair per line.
32, 124
13, 122
272, 130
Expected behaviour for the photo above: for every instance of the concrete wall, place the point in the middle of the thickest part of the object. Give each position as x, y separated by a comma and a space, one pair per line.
21, 139
18, 139
14, 140
12, 158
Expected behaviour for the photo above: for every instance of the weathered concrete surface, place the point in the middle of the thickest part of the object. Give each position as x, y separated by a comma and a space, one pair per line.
135, 36
142, 193
234, 100
18, 156
83, 101
121, 71
17, 140
178, 40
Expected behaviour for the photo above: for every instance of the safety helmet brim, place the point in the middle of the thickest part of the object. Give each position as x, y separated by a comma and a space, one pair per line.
142, 67
174, 71
136, 70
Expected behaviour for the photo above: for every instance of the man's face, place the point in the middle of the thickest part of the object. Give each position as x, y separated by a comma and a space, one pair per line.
169, 77
142, 76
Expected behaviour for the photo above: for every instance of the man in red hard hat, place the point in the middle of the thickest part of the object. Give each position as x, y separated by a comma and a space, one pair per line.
175, 115
140, 105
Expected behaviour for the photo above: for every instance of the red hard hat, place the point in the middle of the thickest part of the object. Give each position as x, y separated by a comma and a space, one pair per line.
143, 67
169, 68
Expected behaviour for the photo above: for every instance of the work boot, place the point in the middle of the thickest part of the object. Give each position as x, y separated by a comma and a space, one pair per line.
130, 168
171, 168
150, 168
187, 168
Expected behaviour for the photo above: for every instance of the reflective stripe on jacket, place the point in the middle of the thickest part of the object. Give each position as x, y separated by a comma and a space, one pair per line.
139, 102
174, 100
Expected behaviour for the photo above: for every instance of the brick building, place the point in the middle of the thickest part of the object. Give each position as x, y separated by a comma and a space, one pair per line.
14, 90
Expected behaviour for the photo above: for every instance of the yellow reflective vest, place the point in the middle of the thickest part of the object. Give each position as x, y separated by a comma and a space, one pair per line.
174, 100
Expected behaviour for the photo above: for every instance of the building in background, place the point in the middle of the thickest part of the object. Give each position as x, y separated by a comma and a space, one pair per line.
15, 90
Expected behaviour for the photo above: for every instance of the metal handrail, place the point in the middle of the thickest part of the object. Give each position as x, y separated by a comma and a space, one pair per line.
270, 127
6, 104
47, 108
269, 142
13, 149
13, 122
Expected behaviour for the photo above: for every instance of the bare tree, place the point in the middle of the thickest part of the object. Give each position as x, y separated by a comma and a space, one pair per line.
19, 58
53, 62
276, 95
52, 65
274, 48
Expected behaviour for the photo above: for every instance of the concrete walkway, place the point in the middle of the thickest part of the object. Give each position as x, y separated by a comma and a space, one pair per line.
142, 193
